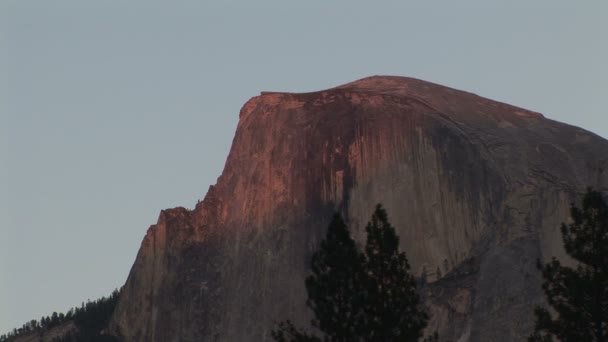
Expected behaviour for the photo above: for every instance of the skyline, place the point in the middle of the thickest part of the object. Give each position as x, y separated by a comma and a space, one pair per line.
112, 112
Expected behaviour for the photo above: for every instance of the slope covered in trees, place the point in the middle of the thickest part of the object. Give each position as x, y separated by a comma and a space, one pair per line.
90, 319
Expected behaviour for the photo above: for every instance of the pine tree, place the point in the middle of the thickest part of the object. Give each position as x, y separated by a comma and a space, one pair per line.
579, 295
358, 296
332, 288
392, 306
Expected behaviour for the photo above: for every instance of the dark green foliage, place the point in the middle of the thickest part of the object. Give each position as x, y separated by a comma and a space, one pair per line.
90, 319
578, 296
358, 296
392, 305
94, 318
335, 287
335, 282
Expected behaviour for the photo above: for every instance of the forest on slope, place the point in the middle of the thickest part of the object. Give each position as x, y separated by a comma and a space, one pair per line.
89, 319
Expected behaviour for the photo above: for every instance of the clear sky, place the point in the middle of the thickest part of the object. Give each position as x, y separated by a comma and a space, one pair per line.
113, 110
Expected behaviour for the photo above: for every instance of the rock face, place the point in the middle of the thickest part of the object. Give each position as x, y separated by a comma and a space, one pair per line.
476, 189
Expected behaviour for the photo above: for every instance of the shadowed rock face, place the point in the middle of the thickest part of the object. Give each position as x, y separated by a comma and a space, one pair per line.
476, 189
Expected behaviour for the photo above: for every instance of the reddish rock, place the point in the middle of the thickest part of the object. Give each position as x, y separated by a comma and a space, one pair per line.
475, 187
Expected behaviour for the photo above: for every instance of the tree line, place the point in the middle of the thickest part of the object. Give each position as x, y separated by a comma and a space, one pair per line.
90, 318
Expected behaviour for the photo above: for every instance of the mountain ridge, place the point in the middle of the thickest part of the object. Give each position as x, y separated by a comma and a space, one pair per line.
396, 86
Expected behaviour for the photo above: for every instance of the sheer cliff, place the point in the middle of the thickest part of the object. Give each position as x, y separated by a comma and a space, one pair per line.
476, 189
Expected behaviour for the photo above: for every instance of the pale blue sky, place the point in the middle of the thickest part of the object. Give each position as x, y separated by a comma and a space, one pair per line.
113, 110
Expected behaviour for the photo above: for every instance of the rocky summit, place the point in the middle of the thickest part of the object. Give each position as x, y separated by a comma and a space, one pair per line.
476, 189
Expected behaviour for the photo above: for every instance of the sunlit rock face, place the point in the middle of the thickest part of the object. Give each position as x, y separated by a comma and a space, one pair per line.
476, 189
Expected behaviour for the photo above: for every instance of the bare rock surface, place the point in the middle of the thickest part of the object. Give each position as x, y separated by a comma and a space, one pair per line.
475, 187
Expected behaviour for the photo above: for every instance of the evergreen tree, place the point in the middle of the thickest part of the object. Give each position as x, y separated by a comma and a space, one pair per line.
360, 296
579, 295
392, 306
332, 288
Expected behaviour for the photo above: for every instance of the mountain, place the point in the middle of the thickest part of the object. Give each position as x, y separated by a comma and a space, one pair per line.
476, 189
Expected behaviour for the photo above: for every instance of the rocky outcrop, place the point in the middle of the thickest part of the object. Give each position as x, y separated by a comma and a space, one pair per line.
476, 189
